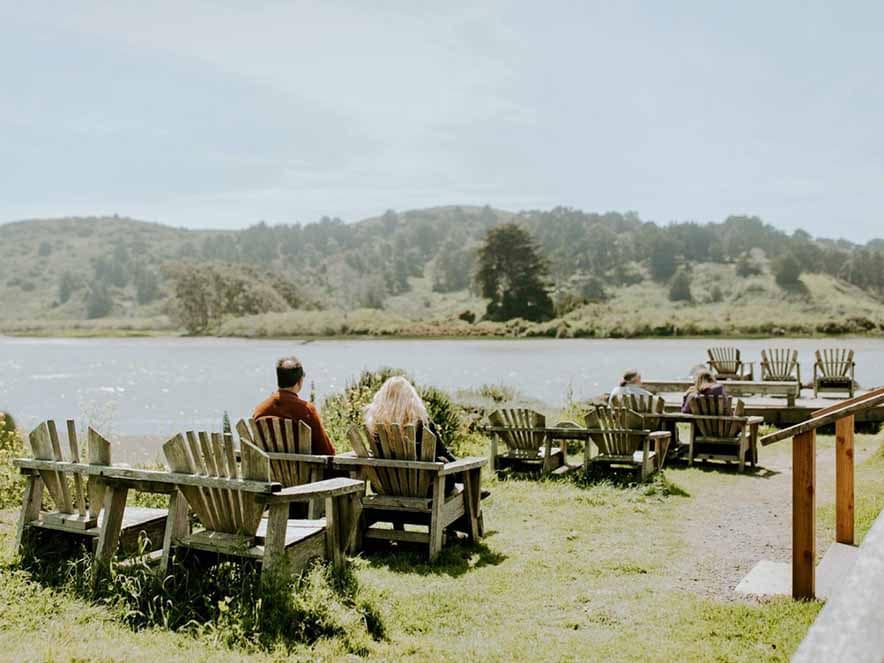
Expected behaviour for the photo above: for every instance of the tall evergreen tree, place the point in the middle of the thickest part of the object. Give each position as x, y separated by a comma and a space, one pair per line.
512, 274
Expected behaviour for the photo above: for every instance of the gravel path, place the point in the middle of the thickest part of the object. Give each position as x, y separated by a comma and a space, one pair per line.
735, 523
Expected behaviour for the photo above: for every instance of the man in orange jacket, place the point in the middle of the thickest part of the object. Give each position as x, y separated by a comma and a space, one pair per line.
286, 404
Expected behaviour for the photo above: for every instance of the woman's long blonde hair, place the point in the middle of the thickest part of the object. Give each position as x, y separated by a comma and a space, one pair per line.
703, 379
397, 402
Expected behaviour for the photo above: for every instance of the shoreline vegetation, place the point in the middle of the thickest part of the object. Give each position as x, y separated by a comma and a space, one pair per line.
448, 272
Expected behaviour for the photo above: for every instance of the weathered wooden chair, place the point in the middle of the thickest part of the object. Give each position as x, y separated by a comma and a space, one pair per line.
780, 365
641, 410
408, 486
229, 499
720, 431
80, 505
291, 462
726, 364
620, 444
834, 371
525, 447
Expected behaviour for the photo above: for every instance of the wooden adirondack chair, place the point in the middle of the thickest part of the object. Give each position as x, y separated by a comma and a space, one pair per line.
726, 364
720, 431
408, 486
620, 444
291, 462
229, 499
641, 410
780, 365
83, 511
525, 448
833, 371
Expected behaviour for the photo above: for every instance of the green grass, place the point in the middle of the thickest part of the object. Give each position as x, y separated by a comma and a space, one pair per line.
568, 571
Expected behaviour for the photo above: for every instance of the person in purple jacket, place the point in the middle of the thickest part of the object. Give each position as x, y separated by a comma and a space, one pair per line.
705, 384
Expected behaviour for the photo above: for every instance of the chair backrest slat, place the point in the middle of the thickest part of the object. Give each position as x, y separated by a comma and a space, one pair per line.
520, 439
277, 435
395, 442
834, 362
227, 510
717, 406
779, 364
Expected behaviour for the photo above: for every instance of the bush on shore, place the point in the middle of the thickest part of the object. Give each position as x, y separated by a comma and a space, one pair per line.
343, 410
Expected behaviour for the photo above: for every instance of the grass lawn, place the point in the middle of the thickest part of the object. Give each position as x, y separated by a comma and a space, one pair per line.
566, 573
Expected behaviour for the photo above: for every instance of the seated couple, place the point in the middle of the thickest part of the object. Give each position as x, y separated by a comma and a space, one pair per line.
705, 384
396, 402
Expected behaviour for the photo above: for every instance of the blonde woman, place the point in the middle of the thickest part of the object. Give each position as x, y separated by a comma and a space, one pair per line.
397, 402
705, 384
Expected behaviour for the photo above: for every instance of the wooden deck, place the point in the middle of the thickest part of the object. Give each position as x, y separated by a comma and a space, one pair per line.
777, 413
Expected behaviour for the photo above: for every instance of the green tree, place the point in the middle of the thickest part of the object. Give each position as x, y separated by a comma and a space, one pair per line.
99, 301
67, 283
680, 286
664, 254
787, 271
512, 274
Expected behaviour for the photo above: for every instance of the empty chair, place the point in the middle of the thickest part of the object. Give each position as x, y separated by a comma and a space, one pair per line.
527, 446
621, 445
229, 499
780, 365
78, 496
726, 364
833, 371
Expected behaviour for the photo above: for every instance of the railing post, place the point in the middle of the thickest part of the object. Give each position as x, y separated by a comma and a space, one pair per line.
803, 512
844, 518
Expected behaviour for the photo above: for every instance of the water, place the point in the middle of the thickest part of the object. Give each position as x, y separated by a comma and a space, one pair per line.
163, 385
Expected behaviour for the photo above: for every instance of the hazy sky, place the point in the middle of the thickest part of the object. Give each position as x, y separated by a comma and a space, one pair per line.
219, 114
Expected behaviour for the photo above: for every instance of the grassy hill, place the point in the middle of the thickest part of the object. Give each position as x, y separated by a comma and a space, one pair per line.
409, 274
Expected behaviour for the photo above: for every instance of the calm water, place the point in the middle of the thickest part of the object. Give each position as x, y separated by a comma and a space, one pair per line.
159, 386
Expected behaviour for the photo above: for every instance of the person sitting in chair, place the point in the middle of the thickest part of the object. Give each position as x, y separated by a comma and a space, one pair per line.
285, 403
705, 384
631, 384
397, 402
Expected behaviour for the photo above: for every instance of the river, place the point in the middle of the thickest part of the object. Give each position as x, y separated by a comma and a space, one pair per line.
156, 386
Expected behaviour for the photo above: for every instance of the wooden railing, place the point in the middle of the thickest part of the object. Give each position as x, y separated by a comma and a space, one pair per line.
804, 483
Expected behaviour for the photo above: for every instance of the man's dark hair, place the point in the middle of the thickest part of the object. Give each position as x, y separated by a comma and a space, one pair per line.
288, 372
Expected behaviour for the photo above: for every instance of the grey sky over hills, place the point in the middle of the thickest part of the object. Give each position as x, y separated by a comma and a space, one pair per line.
220, 114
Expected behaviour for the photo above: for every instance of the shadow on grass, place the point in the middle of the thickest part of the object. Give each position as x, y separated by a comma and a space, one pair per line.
455, 560
757, 472
657, 485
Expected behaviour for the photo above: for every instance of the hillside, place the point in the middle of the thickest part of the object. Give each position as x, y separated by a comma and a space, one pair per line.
409, 273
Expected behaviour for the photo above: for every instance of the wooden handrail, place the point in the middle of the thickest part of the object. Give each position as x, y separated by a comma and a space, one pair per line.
804, 483
837, 406
829, 416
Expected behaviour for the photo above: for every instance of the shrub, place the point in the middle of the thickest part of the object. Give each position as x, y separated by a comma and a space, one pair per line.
467, 316
716, 295
498, 393
11, 480
787, 271
746, 266
680, 287
340, 411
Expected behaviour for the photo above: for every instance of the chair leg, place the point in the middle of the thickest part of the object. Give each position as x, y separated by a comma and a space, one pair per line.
30, 508
436, 528
274, 542
177, 526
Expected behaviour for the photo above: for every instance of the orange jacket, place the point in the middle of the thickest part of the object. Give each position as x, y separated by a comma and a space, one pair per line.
288, 405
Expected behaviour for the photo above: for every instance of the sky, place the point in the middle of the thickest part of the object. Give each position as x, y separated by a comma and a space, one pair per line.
221, 114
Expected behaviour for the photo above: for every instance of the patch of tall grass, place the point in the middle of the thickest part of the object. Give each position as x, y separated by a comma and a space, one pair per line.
11, 480
224, 603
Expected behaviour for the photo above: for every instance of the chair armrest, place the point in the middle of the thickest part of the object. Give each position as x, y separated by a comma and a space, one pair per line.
310, 491
659, 434
755, 420
462, 465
